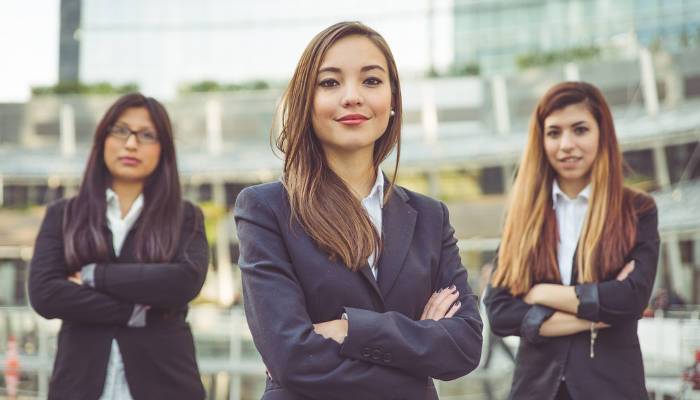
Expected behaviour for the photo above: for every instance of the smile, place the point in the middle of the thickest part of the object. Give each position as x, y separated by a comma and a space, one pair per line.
352, 119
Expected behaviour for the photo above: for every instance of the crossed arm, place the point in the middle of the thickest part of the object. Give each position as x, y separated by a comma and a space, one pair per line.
556, 310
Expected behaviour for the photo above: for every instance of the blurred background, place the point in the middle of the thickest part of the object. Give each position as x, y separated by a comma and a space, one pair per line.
471, 70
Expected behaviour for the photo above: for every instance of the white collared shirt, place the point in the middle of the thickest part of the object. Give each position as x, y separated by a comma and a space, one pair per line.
373, 204
571, 214
116, 387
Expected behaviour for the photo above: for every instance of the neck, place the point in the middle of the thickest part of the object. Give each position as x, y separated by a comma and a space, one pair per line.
127, 193
572, 187
355, 169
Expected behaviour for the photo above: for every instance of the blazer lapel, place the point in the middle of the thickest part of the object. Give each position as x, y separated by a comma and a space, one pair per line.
369, 277
398, 221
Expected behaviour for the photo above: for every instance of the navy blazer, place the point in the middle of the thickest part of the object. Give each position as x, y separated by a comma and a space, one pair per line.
290, 284
616, 372
159, 359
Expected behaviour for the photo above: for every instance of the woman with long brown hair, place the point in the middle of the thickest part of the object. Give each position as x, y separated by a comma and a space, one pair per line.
577, 259
118, 264
341, 268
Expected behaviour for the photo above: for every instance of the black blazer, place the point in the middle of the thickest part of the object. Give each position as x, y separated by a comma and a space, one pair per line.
159, 359
616, 372
289, 284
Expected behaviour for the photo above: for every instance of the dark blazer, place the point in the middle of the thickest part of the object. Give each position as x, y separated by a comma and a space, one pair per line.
290, 284
616, 372
159, 359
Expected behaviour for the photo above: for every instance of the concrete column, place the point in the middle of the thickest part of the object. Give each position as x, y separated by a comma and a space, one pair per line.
213, 126
67, 130
649, 92
499, 93
507, 173
223, 255
571, 72
433, 183
662, 175
681, 277
429, 117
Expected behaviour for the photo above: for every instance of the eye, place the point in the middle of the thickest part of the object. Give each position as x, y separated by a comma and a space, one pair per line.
120, 130
149, 136
580, 130
552, 134
372, 81
328, 83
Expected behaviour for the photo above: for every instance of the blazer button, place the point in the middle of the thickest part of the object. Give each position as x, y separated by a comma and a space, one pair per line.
387, 358
376, 354
366, 352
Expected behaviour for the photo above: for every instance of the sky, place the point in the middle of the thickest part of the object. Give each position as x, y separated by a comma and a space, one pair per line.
188, 41
29, 46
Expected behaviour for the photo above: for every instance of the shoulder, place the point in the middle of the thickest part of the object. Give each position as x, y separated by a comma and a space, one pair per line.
642, 203
56, 208
272, 194
420, 202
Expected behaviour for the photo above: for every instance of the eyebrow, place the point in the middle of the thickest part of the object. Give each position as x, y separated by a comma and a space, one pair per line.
363, 69
575, 124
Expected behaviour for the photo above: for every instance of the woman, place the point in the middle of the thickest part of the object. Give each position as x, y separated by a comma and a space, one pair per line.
577, 258
340, 267
118, 264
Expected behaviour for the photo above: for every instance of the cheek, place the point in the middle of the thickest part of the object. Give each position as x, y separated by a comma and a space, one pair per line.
550, 149
153, 157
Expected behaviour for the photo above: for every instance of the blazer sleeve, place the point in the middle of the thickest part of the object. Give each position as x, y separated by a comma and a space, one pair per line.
616, 301
511, 316
162, 285
446, 349
52, 295
299, 359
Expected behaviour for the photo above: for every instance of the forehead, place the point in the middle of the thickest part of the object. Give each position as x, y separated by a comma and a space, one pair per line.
354, 52
569, 115
136, 117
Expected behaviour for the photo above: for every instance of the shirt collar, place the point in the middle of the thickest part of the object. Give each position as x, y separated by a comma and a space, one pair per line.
377, 189
114, 211
558, 194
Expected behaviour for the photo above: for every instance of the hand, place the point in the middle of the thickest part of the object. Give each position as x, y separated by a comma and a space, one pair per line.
626, 270
75, 278
440, 304
601, 325
532, 295
336, 330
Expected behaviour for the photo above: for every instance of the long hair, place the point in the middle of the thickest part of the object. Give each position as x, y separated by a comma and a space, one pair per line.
528, 250
319, 199
157, 230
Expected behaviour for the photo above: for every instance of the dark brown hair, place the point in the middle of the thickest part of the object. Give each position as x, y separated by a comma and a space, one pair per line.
157, 230
320, 201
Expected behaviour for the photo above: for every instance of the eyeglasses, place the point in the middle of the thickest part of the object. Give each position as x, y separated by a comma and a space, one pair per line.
123, 133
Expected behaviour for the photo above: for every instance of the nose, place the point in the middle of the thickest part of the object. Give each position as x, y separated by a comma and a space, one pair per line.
567, 141
351, 96
131, 142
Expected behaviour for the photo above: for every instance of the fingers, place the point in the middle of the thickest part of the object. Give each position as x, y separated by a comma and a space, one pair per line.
428, 305
601, 325
440, 303
626, 270
453, 310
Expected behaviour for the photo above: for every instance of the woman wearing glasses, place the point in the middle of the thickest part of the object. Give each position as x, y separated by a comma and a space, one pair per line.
118, 264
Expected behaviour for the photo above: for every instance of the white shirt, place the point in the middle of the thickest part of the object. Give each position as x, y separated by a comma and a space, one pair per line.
116, 387
373, 204
570, 216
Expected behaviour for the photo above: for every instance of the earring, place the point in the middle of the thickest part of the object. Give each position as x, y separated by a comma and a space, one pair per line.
392, 113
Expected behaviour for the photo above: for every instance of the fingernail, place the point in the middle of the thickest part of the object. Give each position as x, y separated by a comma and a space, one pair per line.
458, 304
453, 287
439, 290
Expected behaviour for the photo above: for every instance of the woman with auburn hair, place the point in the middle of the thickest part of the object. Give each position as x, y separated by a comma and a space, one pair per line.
353, 286
577, 259
118, 264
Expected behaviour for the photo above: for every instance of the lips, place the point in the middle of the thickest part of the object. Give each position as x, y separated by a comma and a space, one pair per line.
569, 162
352, 119
129, 161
